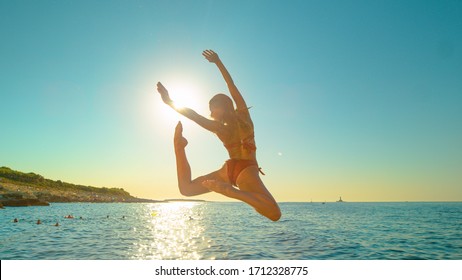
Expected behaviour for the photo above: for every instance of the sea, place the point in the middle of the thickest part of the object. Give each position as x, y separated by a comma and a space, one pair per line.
232, 231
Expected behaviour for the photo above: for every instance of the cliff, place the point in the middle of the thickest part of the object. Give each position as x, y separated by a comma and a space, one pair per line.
25, 189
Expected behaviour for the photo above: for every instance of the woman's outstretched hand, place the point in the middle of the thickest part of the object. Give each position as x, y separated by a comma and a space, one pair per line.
211, 56
164, 94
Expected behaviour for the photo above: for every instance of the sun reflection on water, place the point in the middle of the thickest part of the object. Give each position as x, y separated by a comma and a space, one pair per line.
175, 232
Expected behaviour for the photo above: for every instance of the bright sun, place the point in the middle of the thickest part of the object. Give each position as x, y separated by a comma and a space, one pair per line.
184, 96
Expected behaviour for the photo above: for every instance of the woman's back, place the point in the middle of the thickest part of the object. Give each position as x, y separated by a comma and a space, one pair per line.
239, 138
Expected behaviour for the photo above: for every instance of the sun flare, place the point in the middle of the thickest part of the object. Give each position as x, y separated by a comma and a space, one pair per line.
184, 95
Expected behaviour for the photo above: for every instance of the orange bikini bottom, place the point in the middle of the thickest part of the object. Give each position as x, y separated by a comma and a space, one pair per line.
235, 167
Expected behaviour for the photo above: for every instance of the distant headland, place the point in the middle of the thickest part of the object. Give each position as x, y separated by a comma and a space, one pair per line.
30, 189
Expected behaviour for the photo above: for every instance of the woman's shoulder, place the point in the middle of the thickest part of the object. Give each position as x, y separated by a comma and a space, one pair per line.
243, 114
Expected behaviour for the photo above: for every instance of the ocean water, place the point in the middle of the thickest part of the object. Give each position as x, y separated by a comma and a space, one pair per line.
228, 230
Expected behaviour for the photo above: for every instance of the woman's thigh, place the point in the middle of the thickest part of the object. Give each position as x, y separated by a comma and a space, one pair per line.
249, 180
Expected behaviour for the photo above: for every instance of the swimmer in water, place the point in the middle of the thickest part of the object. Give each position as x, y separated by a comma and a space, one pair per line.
239, 177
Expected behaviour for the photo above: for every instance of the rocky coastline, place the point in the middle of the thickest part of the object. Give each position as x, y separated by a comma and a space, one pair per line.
19, 189
19, 195
17, 200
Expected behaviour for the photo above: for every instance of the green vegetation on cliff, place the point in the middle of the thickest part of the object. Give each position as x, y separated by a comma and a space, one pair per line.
36, 186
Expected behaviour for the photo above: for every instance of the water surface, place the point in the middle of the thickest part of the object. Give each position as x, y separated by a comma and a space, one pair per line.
225, 230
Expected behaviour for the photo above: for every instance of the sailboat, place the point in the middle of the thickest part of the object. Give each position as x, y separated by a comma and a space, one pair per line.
340, 200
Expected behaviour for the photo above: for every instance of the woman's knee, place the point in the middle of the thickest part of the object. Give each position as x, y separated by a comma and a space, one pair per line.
274, 213
270, 210
186, 189
192, 188
186, 192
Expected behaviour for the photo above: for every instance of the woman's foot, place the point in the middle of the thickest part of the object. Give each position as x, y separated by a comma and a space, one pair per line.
179, 141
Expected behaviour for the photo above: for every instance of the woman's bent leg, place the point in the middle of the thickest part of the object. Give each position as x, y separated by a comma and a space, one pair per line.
187, 186
251, 191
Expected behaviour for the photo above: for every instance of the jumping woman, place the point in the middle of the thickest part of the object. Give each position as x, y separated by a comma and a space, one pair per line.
239, 177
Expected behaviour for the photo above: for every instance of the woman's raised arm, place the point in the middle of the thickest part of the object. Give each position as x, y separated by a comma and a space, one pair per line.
212, 57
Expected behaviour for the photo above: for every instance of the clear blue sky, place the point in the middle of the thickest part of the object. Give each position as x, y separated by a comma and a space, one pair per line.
359, 99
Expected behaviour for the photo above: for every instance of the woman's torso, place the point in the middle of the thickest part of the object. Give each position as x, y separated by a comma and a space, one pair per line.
238, 137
